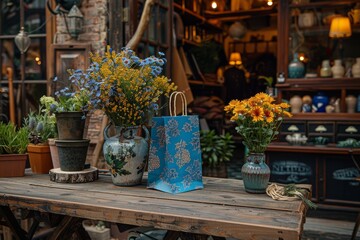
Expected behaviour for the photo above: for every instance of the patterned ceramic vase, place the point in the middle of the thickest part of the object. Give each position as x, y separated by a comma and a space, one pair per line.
126, 154
296, 68
255, 173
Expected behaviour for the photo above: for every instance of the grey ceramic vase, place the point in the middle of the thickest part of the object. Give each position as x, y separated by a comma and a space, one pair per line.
70, 125
72, 154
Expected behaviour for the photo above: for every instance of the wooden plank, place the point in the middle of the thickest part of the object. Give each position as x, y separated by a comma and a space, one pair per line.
216, 191
114, 204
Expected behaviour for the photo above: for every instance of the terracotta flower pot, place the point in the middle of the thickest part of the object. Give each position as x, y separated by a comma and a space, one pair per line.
54, 153
40, 158
12, 165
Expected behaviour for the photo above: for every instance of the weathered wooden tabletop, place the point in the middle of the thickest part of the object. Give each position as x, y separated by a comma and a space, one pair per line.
222, 208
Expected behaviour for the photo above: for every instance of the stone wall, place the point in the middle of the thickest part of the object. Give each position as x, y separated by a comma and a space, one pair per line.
94, 27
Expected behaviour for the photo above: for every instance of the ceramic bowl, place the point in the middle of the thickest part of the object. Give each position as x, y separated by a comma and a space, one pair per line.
296, 139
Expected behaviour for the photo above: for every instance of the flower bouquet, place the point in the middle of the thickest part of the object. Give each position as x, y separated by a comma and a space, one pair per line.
258, 120
128, 89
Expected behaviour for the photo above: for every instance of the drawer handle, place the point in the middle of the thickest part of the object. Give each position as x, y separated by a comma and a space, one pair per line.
351, 129
320, 128
293, 128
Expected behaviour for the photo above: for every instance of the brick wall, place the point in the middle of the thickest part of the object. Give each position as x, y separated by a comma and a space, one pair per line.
94, 26
93, 32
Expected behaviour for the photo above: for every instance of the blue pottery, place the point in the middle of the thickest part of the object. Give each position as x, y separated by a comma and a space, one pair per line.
255, 173
320, 101
296, 68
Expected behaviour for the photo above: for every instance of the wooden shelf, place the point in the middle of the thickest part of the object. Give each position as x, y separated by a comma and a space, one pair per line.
233, 15
192, 18
203, 83
325, 4
325, 116
327, 149
189, 42
322, 29
315, 84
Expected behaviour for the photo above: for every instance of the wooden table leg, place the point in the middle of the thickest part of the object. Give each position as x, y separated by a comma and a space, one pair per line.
171, 235
67, 227
356, 227
13, 224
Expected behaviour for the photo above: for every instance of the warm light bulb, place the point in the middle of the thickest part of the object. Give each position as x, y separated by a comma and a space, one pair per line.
37, 59
214, 5
302, 58
269, 2
39, 62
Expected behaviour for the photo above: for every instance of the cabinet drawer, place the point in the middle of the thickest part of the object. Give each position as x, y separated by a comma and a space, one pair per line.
348, 128
286, 127
321, 127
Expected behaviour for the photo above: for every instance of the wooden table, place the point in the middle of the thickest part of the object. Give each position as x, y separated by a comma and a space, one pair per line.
221, 209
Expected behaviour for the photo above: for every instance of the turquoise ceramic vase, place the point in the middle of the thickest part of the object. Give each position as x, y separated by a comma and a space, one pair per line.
296, 68
255, 173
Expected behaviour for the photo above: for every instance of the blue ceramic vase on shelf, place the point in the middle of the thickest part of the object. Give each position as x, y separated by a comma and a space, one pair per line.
320, 101
296, 68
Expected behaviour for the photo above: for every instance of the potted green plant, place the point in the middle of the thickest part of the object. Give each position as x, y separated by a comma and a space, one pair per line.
41, 126
70, 107
13, 143
216, 150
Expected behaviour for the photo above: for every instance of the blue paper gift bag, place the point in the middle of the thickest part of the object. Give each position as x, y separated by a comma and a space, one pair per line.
175, 163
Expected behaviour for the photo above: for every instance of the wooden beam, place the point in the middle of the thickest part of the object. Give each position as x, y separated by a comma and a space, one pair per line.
144, 22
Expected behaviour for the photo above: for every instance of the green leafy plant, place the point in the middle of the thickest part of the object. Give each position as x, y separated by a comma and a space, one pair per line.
13, 140
41, 125
216, 148
69, 99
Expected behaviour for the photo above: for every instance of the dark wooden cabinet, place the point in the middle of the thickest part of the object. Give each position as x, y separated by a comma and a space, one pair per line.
333, 171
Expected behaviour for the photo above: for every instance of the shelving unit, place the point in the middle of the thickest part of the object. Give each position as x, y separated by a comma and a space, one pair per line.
192, 18
324, 166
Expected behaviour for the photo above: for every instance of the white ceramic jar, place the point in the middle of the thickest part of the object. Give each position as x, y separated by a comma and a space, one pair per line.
295, 103
356, 69
325, 70
307, 19
350, 103
338, 69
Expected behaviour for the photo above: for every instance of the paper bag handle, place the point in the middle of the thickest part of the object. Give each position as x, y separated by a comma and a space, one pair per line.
172, 103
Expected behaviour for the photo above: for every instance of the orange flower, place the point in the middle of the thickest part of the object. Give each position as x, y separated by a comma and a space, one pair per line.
259, 118
257, 114
269, 115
